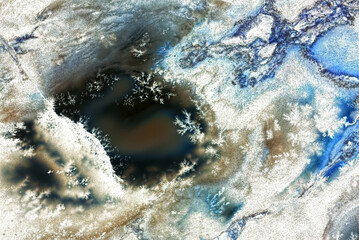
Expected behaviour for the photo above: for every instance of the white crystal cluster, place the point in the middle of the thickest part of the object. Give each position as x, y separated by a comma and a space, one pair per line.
263, 180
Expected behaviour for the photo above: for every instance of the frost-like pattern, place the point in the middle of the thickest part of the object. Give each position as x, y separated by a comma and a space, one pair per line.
203, 119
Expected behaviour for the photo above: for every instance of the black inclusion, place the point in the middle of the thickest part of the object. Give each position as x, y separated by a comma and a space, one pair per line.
32, 173
32, 170
143, 139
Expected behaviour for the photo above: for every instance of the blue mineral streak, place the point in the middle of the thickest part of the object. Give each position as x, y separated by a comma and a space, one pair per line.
236, 227
347, 149
314, 32
339, 150
330, 144
333, 56
251, 66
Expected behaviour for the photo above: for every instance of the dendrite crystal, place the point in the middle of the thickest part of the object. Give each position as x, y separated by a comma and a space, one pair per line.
204, 119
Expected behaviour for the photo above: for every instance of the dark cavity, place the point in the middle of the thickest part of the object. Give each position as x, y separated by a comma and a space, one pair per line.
136, 122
